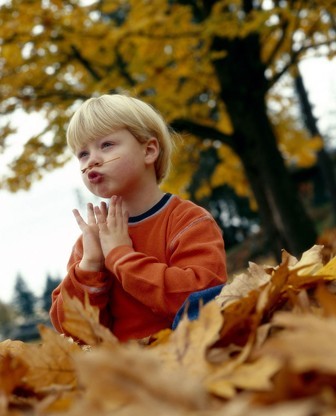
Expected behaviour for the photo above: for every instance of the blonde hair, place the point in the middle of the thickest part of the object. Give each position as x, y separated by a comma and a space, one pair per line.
101, 116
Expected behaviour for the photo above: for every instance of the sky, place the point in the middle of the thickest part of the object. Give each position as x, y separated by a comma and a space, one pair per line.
37, 230
37, 227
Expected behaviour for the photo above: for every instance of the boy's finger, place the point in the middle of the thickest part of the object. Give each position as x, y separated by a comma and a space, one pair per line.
90, 214
118, 207
112, 207
99, 215
79, 218
103, 208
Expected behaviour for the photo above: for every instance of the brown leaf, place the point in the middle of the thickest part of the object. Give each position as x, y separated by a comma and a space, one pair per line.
245, 406
187, 345
12, 369
248, 376
14, 348
329, 270
243, 316
326, 299
243, 284
307, 342
82, 322
58, 399
307, 271
51, 362
310, 262
133, 379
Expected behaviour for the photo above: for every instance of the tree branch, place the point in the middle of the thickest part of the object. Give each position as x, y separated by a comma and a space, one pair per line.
86, 63
202, 131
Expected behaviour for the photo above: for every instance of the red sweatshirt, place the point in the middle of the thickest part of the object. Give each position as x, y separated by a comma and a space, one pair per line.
177, 249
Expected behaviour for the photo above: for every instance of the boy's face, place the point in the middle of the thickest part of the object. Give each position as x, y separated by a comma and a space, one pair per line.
114, 165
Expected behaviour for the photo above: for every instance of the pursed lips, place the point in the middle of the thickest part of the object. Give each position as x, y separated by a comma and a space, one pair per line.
95, 177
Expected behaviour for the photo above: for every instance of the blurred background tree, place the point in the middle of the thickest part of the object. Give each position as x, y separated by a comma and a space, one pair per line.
24, 299
6, 315
50, 285
213, 69
19, 319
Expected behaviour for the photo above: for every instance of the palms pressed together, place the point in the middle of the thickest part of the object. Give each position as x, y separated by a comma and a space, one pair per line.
104, 230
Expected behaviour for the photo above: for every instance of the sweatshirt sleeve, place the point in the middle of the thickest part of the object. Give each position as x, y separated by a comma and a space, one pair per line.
196, 260
76, 283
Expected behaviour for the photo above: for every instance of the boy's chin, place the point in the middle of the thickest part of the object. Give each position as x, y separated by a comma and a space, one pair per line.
105, 195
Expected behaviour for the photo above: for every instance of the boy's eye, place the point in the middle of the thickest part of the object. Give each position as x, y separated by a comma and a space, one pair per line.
106, 144
82, 154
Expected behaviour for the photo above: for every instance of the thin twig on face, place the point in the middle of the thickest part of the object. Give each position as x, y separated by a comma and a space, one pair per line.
98, 164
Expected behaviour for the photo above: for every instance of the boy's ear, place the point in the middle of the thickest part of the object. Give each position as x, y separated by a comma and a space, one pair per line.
152, 150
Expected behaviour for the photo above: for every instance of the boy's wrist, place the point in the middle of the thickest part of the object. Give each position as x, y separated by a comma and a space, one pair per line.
91, 266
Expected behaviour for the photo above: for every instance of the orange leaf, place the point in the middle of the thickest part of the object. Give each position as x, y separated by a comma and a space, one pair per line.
326, 299
12, 369
82, 321
51, 362
307, 342
187, 346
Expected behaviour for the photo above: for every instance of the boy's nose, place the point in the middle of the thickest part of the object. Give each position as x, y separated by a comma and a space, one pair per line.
95, 160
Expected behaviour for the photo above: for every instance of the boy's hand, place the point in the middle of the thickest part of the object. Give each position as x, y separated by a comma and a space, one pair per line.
113, 226
93, 258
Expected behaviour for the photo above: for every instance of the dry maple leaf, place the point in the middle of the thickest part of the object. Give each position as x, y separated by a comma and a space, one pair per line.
310, 262
239, 373
328, 270
326, 299
14, 348
50, 363
187, 346
243, 284
236, 350
308, 274
12, 370
243, 317
82, 321
245, 405
328, 240
270, 293
133, 380
306, 342
252, 376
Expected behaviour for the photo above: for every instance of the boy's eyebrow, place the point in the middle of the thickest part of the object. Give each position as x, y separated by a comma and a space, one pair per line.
99, 164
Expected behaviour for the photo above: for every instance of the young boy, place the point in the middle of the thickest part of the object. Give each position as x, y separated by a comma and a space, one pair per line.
143, 255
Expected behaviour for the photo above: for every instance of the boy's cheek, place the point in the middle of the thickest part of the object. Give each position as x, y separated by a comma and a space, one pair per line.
86, 181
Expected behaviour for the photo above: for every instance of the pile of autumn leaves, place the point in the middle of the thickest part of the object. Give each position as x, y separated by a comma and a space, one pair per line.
266, 345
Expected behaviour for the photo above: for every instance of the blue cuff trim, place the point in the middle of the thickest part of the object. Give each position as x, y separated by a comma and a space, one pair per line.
191, 305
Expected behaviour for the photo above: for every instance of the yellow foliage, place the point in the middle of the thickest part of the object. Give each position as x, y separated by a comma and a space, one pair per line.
300, 150
295, 144
185, 161
53, 56
229, 170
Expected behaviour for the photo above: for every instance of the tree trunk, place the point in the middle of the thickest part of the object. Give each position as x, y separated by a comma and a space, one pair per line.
243, 89
324, 162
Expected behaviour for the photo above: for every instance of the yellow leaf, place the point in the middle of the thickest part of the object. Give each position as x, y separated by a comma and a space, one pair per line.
326, 300
255, 376
51, 362
187, 346
82, 321
329, 270
12, 369
138, 381
242, 284
310, 262
307, 342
